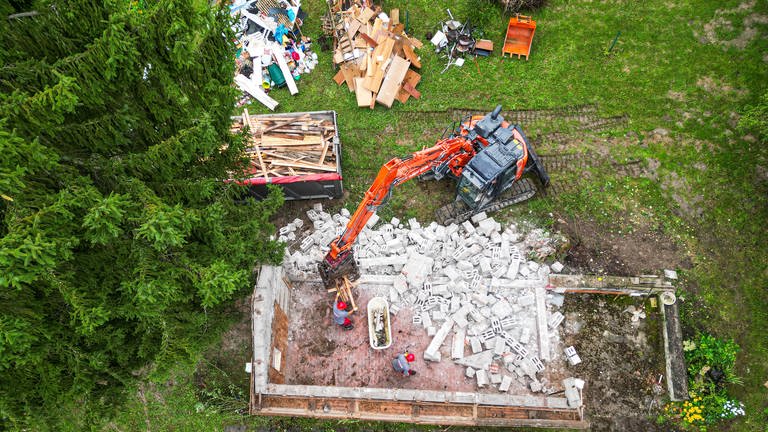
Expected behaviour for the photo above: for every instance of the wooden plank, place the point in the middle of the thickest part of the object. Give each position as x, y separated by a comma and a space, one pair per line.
268, 140
305, 165
354, 26
247, 120
394, 17
369, 40
349, 75
411, 56
326, 143
363, 95
365, 15
411, 78
415, 42
339, 77
411, 90
392, 81
398, 29
286, 123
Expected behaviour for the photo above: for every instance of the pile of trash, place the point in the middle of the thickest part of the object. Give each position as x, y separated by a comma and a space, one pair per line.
271, 50
456, 39
375, 55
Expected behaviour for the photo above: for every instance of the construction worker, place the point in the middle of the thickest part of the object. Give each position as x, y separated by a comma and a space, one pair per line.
340, 315
402, 363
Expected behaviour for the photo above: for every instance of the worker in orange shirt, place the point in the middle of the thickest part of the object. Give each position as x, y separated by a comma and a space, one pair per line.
341, 316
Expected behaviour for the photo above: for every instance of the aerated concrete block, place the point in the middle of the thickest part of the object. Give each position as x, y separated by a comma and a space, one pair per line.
433, 350
557, 267
525, 335
500, 346
395, 222
476, 345
401, 284
372, 221
555, 320
482, 378
535, 386
526, 300
468, 227
431, 331
469, 373
457, 350
413, 223
501, 309
506, 381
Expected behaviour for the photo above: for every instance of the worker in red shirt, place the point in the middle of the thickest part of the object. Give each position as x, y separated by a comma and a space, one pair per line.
402, 364
341, 316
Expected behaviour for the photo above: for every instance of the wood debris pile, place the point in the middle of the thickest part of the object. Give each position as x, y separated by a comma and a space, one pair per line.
375, 56
290, 144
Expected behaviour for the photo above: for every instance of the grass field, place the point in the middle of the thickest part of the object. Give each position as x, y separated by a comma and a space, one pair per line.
689, 68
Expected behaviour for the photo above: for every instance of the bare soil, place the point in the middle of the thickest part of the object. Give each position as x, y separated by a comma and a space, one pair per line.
599, 249
623, 361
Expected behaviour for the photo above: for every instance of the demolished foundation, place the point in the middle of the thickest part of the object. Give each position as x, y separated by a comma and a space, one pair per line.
470, 300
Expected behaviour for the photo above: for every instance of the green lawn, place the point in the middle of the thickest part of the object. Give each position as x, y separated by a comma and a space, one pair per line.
660, 74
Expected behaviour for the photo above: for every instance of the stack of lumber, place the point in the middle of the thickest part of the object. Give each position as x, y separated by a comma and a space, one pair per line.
376, 58
291, 144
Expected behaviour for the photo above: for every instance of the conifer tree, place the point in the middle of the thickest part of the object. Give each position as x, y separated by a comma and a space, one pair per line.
118, 238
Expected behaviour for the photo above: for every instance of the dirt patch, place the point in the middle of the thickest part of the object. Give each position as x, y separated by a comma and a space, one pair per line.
716, 31
600, 249
622, 361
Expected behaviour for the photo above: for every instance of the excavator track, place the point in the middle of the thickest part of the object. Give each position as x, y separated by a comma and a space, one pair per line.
458, 212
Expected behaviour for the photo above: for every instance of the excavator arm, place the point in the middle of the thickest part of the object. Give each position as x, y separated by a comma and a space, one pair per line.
448, 154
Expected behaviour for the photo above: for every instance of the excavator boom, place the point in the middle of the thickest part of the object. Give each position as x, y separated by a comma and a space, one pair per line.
451, 153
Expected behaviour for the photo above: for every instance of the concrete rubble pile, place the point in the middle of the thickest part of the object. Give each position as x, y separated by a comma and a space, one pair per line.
473, 287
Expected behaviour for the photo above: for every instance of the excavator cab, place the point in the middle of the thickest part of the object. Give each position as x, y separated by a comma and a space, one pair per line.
499, 164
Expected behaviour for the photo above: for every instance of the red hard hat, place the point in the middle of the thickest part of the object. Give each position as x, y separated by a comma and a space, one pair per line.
341, 305
410, 357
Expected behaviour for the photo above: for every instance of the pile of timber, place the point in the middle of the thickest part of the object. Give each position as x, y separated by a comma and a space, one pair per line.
376, 58
291, 144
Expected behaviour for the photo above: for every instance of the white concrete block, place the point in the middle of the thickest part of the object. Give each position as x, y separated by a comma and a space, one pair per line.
457, 350
500, 346
469, 373
526, 300
413, 223
372, 221
318, 207
501, 309
468, 227
482, 378
506, 381
395, 222
533, 266
437, 341
478, 217
431, 331
426, 320
555, 320
401, 284
557, 267
476, 345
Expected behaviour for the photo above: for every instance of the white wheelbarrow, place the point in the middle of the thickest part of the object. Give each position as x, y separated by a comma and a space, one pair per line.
379, 329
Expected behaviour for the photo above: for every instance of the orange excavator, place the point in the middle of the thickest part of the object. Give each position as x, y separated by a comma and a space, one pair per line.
487, 155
